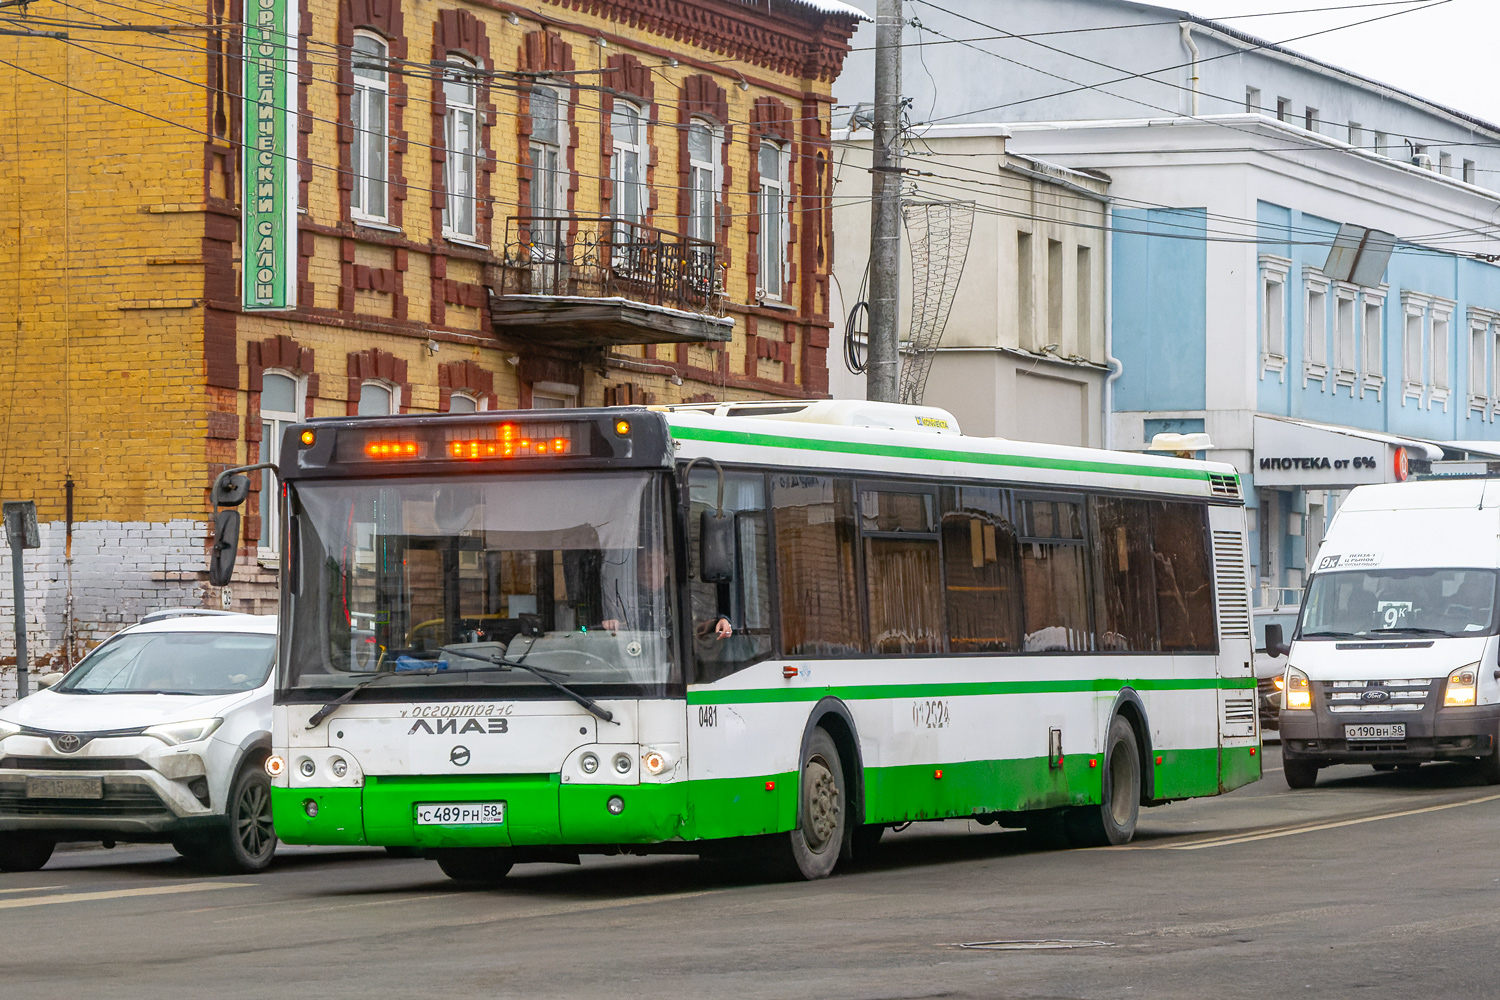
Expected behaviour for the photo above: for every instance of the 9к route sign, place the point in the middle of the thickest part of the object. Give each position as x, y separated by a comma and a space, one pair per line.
269, 199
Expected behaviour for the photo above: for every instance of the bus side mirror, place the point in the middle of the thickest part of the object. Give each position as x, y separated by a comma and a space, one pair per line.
716, 547
231, 491
1275, 644
225, 548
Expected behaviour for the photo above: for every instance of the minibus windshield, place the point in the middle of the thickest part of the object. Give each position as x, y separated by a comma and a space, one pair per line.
1399, 602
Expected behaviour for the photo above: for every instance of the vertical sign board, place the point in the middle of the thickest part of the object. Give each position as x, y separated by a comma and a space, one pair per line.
269, 201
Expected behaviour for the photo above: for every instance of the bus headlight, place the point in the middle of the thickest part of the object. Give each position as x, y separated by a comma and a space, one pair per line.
1298, 691
1462, 687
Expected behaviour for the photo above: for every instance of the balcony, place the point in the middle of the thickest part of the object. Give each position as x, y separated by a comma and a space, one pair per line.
575, 282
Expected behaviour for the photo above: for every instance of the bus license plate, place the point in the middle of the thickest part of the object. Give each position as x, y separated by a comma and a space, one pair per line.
460, 813
1395, 731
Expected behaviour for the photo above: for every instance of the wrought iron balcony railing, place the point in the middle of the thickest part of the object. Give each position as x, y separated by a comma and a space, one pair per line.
604, 257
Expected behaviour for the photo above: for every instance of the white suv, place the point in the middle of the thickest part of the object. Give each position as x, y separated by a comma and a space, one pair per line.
158, 735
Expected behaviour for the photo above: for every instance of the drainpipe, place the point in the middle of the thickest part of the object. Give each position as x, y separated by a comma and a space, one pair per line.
1116, 366
1187, 41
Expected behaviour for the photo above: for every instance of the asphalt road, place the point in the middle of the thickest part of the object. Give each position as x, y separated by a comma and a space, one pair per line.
1381, 885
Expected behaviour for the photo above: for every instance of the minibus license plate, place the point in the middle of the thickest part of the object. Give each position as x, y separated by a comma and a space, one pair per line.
460, 813
1395, 731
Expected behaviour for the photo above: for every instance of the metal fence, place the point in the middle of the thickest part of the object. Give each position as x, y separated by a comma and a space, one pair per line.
607, 257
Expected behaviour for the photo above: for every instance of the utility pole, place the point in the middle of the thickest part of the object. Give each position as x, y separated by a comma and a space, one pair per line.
885, 211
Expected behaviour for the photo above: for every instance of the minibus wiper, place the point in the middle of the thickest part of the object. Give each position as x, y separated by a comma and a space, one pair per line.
550, 676
1414, 630
1331, 635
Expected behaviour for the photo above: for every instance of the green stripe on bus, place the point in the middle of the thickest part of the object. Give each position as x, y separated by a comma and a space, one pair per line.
932, 454
865, 692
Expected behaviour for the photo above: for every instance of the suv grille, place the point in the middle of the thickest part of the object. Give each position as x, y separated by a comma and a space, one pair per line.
73, 764
1363, 697
118, 800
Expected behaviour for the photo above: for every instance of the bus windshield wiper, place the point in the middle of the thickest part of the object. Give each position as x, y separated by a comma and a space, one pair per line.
1328, 634
348, 695
1413, 630
550, 676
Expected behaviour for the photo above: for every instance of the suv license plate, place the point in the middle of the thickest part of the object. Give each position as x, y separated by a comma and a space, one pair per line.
1395, 731
460, 813
64, 788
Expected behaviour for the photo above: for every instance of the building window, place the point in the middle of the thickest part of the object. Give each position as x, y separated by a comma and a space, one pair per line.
628, 129
548, 170
461, 137
1445, 164
1283, 109
1252, 100
773, 227
1273, 275
1469, 172
1479, 335
378, 399
553, 395
1315, 328
1084, 307
1441, 341
1025, 293
1382, 144
1055, 293
701, 173
1346, 356
461, 402
1356, 134
280, 406
368, 109
1412, 381
1310, 119
1373, 355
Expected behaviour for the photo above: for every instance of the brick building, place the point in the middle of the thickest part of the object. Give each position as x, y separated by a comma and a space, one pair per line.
485, 205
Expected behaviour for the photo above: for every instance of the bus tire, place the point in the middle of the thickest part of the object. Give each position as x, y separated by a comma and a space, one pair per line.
811, 850
473, 864
862, 844
24, 852
1112, 822
1299, 773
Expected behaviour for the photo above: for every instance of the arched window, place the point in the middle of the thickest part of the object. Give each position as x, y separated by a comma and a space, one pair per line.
462, 402
370, 116
378, 399
281, 395
461, 137
773, 227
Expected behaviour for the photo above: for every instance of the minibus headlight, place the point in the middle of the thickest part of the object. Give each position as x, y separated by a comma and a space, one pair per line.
1462, 687
1298, 696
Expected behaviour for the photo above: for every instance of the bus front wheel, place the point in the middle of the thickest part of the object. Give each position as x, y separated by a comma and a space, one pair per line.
812, 848
473, 864
1112, 822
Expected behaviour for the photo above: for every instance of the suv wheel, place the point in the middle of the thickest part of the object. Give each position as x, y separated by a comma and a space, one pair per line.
248, 841
24, 852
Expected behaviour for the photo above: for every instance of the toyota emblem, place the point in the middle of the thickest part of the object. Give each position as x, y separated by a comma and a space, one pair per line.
68, 742
459, 756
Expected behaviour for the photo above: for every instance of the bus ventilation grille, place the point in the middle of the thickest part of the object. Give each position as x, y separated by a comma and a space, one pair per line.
1234, 594
1223, 485
1239, 717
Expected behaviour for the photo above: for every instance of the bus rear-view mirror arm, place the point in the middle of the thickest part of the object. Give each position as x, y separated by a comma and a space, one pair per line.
715, 533
230, 489
1275, 641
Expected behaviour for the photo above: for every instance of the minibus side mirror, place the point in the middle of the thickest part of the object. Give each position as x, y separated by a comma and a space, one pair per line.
716, 547
226, 546
1275, 641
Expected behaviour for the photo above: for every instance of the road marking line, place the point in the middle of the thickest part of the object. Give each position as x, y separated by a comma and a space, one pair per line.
150, 890
31, 888
1306, 828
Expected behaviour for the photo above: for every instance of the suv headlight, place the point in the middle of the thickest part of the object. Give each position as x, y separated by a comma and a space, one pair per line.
1297, 695
8, 729
173, 733
1462, 687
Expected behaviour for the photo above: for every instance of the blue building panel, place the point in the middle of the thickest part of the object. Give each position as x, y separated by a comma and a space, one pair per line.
1160, 312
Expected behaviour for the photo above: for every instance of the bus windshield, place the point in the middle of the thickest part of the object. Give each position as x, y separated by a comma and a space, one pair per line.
432, 577
1376, 603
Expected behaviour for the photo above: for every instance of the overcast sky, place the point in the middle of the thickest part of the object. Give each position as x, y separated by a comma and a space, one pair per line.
1444, 50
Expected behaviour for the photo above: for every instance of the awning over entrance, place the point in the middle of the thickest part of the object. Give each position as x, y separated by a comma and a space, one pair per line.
1291, 452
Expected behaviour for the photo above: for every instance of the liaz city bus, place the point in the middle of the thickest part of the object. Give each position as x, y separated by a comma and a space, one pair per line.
750, 630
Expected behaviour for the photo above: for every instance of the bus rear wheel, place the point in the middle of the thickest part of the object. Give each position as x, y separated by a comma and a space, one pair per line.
811, 850
1112, 822
473, 864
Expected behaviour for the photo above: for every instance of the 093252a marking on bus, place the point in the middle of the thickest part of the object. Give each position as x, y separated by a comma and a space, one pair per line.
931, 713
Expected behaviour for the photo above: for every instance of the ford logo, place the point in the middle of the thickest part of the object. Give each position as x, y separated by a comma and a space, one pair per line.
1376, 694
67, 742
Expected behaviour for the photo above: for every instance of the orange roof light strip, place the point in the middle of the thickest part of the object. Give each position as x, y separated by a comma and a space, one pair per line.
508, 445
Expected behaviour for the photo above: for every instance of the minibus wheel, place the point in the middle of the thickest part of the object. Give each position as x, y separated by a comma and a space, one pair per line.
1299, 773
1489, 767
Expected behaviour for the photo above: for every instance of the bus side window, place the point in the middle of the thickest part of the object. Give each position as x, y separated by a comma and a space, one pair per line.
815, 539
1184, 582
1053, 581
901, 571
981, 571
1124, 591
745, 600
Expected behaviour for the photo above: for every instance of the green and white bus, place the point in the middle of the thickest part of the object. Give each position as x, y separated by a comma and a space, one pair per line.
766, 630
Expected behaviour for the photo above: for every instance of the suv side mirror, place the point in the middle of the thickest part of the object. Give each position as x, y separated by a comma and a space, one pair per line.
716, 547
226, 545
1275, 640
